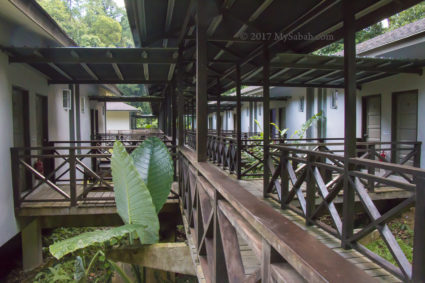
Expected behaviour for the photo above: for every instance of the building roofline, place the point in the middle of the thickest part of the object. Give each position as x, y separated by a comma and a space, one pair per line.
39, 16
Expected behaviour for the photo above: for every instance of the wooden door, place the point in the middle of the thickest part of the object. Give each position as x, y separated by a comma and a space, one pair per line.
21, 130
42, 120
405, 124
372, 118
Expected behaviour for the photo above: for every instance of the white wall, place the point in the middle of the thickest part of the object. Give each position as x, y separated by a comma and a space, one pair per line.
117, 120
33, 82
386, 87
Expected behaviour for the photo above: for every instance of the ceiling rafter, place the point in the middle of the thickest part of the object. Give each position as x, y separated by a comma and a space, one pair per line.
54, 66
85, 66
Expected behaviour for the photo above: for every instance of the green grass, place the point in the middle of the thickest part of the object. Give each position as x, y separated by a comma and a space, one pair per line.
404, 237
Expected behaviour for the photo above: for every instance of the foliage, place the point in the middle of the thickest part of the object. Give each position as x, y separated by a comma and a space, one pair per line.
133, 200
153, 162
404, 237
147, 123
94, 23
304, 127
136, 90
407, 16
59, 249
132, 196
65, 269
256, 149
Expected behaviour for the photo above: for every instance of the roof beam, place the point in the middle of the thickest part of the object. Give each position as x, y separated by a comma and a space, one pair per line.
249, 98
391, 70
168, 19
85, 66
260, 83
304, 19
323, 76
145, 66
107, 81
244, 26
54, 66
92, 60
115, 66
305, 73
186, 22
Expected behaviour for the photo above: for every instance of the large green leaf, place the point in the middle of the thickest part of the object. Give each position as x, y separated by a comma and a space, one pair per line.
133, 200
70, 245
153, 161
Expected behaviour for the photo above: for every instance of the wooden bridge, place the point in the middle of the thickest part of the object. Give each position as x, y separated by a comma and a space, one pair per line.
192, 52
236, 231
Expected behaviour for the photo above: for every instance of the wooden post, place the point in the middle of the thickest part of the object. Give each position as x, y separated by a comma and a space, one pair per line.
371, 170
173, 124
219, 270
72, 177
417, 156
350, 117
238, 123
180, 100
419, 232
310, 191
218, 120
15, 177
201, 81
284, 178
266, 116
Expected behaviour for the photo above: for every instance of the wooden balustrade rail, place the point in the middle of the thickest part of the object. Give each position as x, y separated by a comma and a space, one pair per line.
224, 152
73, 172
302, 175
218, 209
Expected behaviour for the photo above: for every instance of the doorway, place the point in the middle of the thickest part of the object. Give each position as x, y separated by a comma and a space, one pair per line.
21, 130
42, 126
405, 121
371, 119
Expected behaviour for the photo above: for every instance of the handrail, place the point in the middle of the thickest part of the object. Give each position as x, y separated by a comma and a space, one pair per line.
59, 167
300, 175
209, 197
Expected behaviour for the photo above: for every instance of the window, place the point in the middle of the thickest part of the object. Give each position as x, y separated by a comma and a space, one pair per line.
66, 96
334, 99
301, 104
83, 104
259, 109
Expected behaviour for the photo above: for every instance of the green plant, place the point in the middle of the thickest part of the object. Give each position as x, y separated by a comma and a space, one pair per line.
304, 127
142, 183
251, 159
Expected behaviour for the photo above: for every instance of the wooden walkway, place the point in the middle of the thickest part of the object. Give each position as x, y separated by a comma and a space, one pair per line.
255, 187
44, 201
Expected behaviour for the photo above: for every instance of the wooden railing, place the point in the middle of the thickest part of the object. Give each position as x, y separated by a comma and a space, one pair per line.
70, 171
220, 213
129, 135
223, 152
300, 176
190, 139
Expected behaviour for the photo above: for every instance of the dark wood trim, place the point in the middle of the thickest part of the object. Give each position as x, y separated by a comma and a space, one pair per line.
394, 116
364, 115
349, 31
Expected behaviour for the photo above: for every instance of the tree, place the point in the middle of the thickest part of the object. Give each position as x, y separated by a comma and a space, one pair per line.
396, 21
91, 23
108, 30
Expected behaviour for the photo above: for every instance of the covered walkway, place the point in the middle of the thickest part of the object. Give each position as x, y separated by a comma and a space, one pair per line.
195, 50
